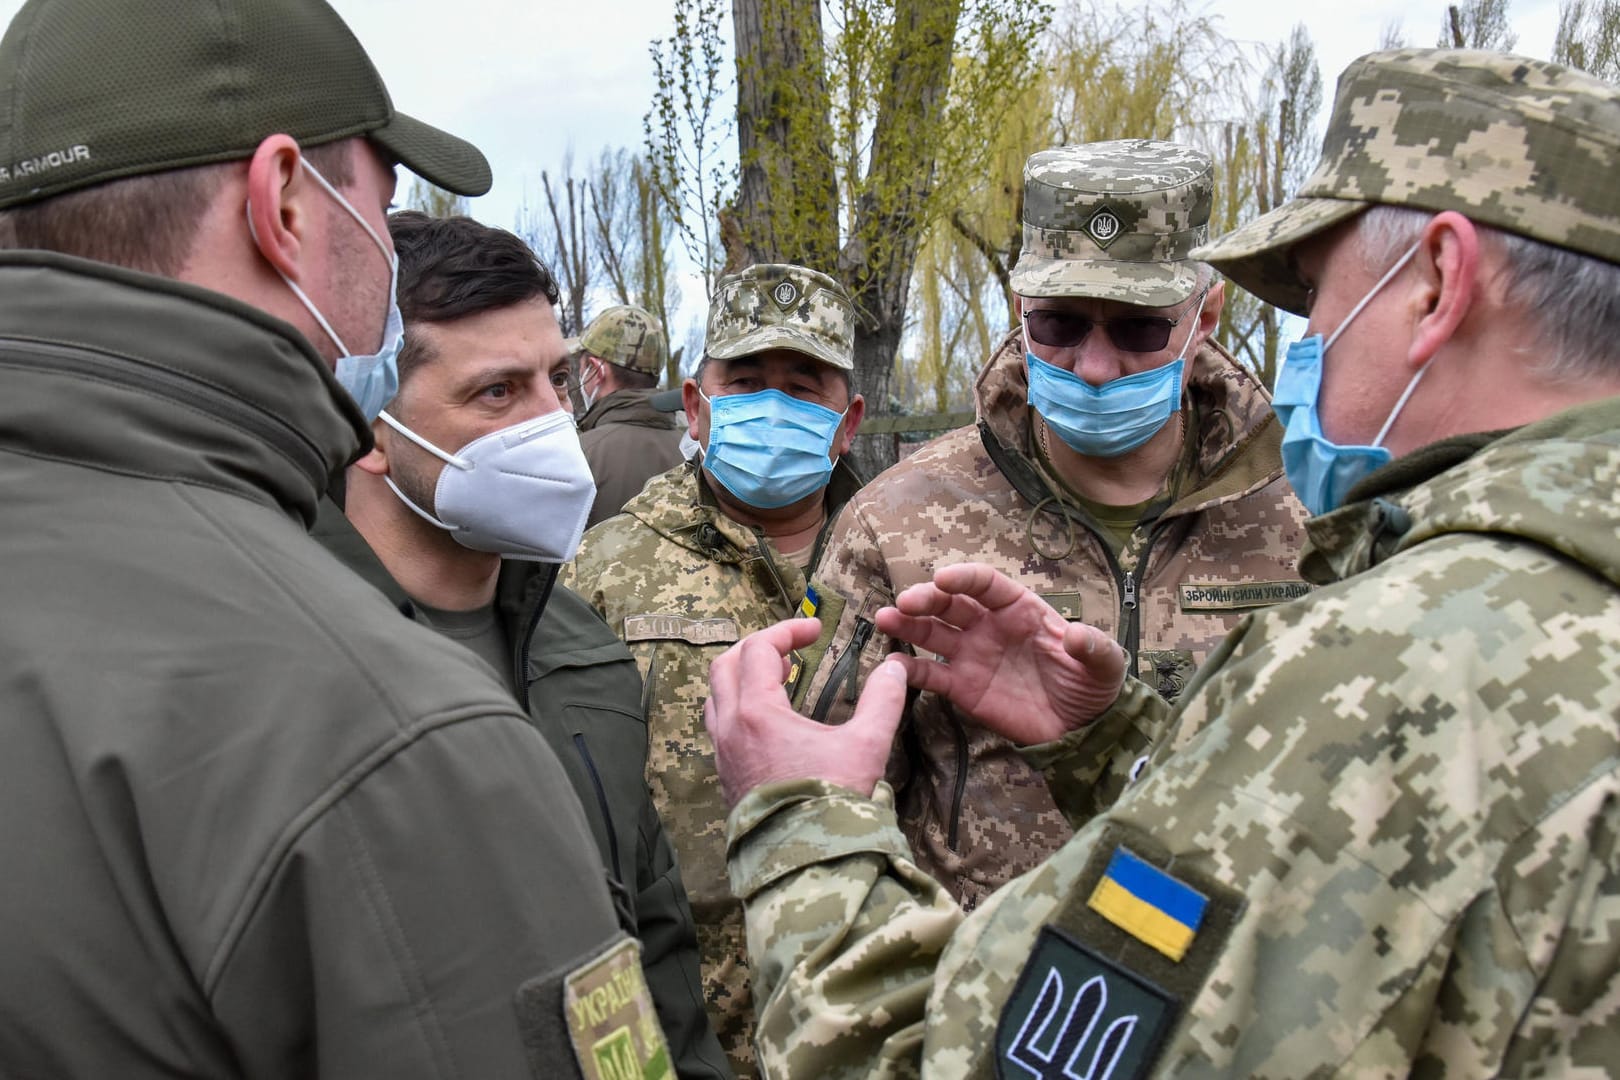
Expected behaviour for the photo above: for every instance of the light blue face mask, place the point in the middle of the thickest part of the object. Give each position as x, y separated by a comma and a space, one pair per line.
1114, 418
372, 379
769, 449
1322, 471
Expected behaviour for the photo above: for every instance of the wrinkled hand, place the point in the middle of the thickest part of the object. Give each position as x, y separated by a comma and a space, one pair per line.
1010, 661
758, 738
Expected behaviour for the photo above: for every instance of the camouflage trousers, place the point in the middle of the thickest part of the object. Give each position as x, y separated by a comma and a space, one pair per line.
728, 990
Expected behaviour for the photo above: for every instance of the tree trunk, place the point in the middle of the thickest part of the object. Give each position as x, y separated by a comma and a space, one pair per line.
786, 198
877, 261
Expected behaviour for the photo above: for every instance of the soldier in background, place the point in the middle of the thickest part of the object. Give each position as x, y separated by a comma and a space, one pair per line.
718, 548
1380, 835
621, 355
1124, 466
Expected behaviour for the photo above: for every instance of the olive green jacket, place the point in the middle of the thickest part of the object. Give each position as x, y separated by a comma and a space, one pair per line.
580, 688
627, 443
251, 825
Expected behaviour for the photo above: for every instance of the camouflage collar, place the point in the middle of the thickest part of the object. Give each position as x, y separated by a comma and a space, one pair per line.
1551, 482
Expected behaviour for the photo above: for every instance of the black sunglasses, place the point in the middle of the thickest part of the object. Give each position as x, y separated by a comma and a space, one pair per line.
1129, 333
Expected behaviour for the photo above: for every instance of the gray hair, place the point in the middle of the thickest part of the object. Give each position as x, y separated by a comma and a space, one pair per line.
1571, 301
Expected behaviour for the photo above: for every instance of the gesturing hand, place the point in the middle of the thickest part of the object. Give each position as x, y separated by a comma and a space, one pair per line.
1010, 661
758, 738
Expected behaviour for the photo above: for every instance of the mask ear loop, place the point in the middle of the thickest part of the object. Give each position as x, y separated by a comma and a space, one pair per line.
1365, 300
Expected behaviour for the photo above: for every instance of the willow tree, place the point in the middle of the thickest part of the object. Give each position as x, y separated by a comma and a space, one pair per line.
1589, 37
857, 124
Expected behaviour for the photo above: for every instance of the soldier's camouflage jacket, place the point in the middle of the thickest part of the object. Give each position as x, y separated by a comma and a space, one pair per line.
681, 582
975, 812
1382, 833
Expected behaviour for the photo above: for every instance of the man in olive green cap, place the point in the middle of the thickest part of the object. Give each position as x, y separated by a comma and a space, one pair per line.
1380, 835
718, 548
1124, 466
252, 822
619, 359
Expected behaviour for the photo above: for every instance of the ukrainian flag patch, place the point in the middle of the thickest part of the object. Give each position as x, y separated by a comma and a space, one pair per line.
1149, 904
811, 601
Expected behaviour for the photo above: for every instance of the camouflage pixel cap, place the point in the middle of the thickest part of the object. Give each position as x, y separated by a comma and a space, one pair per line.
626, 336
1114, 221
781, 306
96, 90
1522, 145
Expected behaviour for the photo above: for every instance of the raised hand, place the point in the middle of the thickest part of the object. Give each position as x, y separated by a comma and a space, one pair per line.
758, 738
1010, 661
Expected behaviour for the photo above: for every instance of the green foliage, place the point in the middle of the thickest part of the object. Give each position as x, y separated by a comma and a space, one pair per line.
1477, 24
433, 200
1589, 37
687, 129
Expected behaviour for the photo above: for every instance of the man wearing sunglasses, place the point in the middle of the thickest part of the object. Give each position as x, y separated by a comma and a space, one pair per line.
1124, 467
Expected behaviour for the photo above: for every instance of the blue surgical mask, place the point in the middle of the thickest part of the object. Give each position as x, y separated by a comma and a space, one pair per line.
1321, 471
372, 379
769, 449
1114, 418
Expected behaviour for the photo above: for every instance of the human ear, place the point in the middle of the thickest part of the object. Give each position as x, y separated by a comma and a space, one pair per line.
1446, 280
277, 208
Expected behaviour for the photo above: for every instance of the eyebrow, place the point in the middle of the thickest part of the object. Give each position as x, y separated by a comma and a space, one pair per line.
493, 374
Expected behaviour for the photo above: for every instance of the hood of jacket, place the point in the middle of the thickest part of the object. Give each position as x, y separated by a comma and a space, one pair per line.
1238, 447
632, 407
167, 380
1552, 482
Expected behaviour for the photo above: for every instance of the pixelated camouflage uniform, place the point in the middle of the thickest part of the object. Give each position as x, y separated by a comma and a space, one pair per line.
681, 582
1400, 795
976, 813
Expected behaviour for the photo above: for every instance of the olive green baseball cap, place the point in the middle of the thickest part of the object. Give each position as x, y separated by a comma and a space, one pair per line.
1522, 145
96, 90
1114, 220
781, 306
626, 336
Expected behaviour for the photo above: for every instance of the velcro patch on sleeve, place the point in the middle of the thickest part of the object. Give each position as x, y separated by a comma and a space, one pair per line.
680, 628
1074, 1012
1149, 904
611, 1021
1226, 596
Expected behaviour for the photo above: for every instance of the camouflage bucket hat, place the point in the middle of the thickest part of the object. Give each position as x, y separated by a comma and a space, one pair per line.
96, 90
1114, 221
1522, 145
626, 336
781, 306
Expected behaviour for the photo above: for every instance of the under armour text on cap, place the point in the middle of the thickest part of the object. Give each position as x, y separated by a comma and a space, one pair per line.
1114, 221
96, 90
1521, 145
781, 306
627, 337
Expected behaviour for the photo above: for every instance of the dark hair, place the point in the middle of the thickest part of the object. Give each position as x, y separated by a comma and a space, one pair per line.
147, 223
629, 378
453, 267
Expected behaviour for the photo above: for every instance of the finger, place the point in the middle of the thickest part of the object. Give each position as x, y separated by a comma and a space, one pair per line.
925, 599
877, 712
983, 583
1103, 657
925, 674
927, 634
759, 680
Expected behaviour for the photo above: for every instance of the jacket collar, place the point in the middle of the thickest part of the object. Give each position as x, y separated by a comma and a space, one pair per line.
627, 407
138, 374
1551, 482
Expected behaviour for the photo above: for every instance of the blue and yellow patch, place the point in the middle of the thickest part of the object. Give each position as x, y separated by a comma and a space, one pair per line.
1149, 904
810, 603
